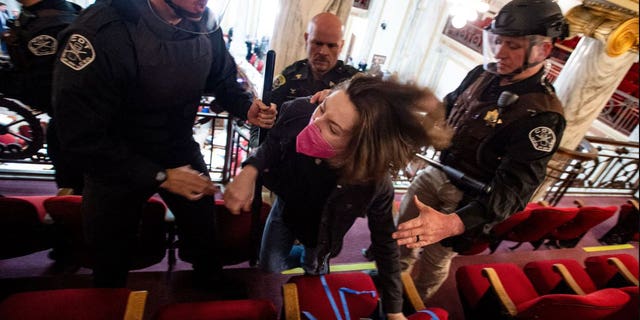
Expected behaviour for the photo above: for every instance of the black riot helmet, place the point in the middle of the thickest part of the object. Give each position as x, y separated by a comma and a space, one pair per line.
536, 20
530, 17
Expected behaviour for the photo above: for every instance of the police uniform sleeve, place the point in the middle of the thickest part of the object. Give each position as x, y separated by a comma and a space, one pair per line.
223, 79
385, 248
531, 144
92, 76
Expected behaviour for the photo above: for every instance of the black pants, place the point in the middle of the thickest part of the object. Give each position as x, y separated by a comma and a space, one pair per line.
112, 212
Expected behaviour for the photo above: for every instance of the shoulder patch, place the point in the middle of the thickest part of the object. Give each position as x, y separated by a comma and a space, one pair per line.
542, 139
279, 81
78, 52
43, 45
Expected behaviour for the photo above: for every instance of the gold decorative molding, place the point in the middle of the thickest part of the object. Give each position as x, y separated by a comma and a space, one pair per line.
615, 26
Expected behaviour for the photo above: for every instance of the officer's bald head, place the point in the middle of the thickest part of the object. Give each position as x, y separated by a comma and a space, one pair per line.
323, 41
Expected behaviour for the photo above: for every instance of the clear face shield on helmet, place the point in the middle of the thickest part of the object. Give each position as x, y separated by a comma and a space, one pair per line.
510, 55
208, 13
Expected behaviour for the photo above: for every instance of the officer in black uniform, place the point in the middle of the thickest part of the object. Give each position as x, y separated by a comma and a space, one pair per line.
507, 124
32, 47
320, 70
127, 85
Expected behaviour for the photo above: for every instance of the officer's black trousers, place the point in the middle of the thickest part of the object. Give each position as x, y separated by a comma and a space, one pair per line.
112, 213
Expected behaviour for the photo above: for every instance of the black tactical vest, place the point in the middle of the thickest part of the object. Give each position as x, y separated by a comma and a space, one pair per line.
477, 145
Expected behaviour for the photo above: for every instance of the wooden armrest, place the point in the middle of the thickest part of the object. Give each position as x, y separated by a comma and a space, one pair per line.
135, 305
578, 203
623, 270
543, 203
411, 291
290, 301
634, 203
568, 278
499, 290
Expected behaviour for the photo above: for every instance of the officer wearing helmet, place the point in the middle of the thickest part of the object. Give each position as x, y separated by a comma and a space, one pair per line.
507, 124
127, 84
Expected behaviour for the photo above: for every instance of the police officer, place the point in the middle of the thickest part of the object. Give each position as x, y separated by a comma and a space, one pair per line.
127, 84
32, 47
320, 70
507, 124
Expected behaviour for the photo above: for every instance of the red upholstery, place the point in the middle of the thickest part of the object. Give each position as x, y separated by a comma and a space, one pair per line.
22, 227
152, 244
540, 223
219, 310
546, 280
66, 304
480, 300
587, 218
626, 227
605, 275
235, 233
500, 229
312, 297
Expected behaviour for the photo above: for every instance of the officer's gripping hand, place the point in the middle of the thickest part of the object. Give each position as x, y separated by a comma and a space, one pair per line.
262, 116
429, 227
319, 96
238, 195
188, 183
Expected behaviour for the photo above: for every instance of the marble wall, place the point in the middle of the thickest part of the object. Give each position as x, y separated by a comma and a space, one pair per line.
586, 83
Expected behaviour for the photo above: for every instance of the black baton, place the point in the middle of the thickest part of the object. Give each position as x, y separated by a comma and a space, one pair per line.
458, 176
256, 205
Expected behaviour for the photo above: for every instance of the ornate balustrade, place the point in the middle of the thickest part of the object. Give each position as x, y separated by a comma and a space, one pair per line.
600, 167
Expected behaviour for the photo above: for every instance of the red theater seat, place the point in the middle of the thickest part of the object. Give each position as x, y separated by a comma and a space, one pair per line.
626, 227
568, 276
613, 270
503, 291
22, 226
541, 222
569, 234
74, 304
152, 240
559, 276
219, 310
235, 233
306, 297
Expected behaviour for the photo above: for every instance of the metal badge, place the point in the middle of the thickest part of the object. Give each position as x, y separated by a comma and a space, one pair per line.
492, 118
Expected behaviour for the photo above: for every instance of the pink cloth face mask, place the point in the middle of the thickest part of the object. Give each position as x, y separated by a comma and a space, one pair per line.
311, 143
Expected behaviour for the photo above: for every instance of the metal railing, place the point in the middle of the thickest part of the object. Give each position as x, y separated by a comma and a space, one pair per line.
621, 112
600, 166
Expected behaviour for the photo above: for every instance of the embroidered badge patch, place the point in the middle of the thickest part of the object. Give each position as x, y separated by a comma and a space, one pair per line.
279, 81
542, 139
43, 45
78, 53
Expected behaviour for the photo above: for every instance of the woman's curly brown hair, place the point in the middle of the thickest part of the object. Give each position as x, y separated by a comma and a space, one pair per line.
395, 121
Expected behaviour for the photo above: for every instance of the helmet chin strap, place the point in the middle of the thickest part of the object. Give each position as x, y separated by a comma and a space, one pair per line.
181, 12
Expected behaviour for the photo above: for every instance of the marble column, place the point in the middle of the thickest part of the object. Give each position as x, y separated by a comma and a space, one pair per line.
585, 84
291, 24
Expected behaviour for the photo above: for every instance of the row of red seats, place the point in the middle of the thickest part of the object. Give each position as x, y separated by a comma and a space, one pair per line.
346, 295
30, 224
123, 303
606, 288
539, 224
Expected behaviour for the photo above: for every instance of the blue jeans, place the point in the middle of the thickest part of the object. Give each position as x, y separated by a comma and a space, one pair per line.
277, 252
